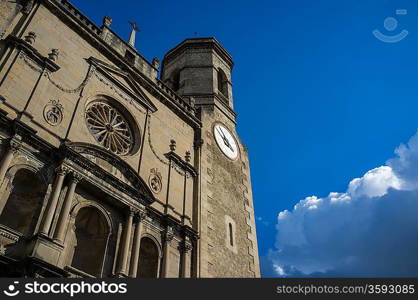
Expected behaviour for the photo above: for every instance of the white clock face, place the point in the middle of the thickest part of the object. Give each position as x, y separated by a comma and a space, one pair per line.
226, 141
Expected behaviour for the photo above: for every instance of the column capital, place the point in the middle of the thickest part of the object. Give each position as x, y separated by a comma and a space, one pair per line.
15, 143
141, 214
186, 245
76, 177
62, 170
168, 234
131, 211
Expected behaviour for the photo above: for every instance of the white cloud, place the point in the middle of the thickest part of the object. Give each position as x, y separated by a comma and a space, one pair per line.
279, 270
369, 230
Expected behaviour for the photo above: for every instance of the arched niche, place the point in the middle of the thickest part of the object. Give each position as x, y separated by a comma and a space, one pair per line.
149, 257
26, 192
92, 232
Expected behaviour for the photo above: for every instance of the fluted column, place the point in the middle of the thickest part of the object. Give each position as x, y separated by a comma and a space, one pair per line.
14, 146
52, 204
125, 244
65, 210
168, 237
185, 258
137, 245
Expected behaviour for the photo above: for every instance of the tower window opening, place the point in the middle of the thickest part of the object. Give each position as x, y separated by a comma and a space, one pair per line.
231, 236
222, 83
176, 81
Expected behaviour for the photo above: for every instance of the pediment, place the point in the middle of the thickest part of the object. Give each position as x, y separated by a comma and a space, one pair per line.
105, 162
124, 81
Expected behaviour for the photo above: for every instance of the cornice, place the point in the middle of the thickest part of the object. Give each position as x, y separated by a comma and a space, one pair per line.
138, 95
175, 158
199, 43
32, 53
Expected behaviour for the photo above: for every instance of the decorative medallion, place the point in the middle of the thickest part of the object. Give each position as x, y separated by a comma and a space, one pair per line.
109, 127
53, 113
155, 181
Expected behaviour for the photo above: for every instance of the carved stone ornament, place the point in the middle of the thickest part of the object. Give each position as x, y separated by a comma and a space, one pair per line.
76, 177
155, 181
169, 234
15, 143
109, 127
30, 37
187, 244
53, 113
53, 55
62, 170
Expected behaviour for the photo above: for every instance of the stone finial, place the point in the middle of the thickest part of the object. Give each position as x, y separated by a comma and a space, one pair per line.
172, 145
30, 37
188, 156
53, 55
192, 101
133, 34
28, 6
107, 21
156, 62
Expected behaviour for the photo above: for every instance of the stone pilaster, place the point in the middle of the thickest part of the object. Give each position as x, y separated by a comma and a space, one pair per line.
168, 237
15, 144
137, 244
124, 251
52, 204
185, 249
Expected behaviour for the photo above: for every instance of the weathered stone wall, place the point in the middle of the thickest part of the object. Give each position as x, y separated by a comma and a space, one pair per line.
161, 127
226, 194
8, 11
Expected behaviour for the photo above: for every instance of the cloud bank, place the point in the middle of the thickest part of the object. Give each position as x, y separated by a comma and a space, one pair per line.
371, 230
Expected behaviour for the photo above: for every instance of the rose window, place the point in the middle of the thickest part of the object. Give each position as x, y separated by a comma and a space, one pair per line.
109, 127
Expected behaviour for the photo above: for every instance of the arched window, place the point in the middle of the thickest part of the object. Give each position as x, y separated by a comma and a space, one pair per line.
91, 232
222, 83
231, 235
148, 259
21, 210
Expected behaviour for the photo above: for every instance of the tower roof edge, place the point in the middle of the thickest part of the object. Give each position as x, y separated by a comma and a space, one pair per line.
199, 43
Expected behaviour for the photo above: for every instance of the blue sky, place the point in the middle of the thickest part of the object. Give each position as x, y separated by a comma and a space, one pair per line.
320, 100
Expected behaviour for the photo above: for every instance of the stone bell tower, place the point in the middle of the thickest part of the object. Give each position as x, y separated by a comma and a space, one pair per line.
199, 69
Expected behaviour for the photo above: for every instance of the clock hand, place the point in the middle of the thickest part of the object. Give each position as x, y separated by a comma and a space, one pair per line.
221, 133
226, 142
225, 139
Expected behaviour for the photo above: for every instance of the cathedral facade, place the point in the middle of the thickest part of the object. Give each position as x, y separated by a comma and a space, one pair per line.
114, 166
